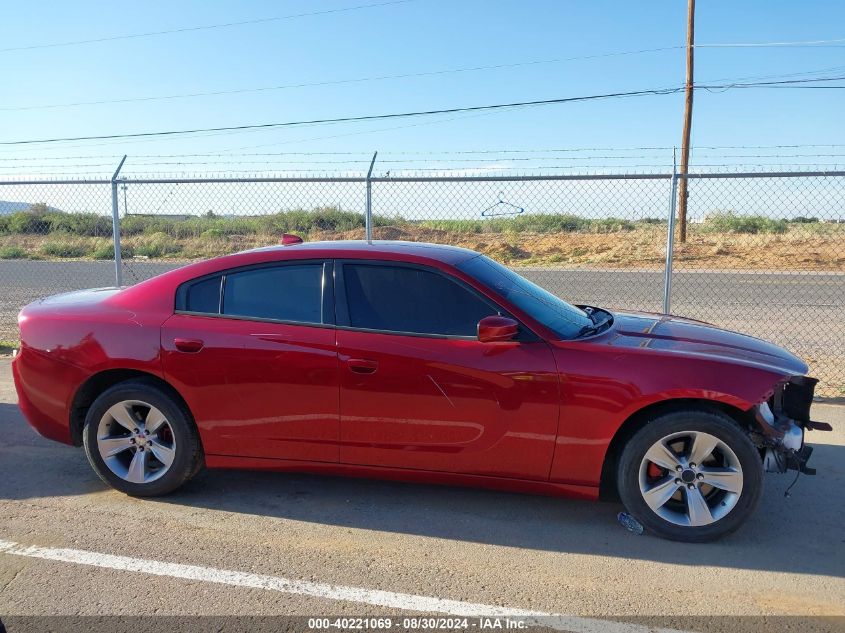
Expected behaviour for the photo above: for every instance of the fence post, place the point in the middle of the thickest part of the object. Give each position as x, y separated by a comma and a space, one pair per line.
368, 218
670, 239
115, 223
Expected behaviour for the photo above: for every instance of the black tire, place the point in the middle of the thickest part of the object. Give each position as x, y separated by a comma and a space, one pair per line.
188, 459
691, 420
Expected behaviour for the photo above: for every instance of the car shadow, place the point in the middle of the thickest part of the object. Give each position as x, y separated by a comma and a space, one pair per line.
799, 534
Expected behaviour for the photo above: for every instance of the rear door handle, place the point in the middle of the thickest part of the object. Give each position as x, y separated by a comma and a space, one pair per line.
362, 365
188, 344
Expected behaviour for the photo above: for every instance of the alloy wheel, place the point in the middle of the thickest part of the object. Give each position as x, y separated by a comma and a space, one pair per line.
690, 478
136, 442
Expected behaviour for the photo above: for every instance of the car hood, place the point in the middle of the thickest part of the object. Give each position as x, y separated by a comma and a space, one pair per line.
673, 334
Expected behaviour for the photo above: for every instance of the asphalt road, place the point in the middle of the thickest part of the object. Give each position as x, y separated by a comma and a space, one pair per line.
804, 312
235, 543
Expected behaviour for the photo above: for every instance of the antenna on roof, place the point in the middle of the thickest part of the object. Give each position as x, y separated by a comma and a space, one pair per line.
289, 238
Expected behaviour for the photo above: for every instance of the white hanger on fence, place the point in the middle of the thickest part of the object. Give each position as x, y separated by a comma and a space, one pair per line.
502, 208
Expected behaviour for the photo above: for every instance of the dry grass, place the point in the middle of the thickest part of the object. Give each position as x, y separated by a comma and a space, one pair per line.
643, 247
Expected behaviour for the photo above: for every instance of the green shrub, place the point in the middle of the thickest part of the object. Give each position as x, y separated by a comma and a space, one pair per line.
156, 245
27, 222
297, 220
213, 234
302, 221
7, 347
40, 219
104, 249
89, 224
134, 224
58, 247
533, 223
729, 222
543, 223
12, 252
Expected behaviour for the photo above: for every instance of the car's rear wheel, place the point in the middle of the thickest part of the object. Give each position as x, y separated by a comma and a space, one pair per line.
140, 440
690, 475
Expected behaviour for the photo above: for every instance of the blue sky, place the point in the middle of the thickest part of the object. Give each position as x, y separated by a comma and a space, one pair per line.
412, 37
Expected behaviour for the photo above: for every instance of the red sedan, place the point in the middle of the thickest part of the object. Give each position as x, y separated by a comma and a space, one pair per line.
415, 362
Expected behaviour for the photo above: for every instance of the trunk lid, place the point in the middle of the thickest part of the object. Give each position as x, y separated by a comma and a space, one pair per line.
76, 302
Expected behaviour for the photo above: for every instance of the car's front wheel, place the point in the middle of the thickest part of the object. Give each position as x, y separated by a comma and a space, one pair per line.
690, 475
140, 440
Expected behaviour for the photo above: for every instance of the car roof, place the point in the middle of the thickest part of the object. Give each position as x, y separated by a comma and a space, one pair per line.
357, 248
161, 287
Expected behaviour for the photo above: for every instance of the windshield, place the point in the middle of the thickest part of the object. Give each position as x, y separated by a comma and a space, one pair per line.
564, 319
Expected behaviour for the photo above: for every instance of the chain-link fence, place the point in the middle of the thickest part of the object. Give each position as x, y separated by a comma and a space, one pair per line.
774, 248
54, 237
764, 254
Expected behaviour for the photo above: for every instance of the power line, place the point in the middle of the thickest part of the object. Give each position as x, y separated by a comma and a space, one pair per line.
694, 148
365, 155
800, 73
430, 73
353, 80
767, 146
569, 168
809, 43
772, 84
387, 161
123, 143
474, 115
372, 117
476, 161
418, 153
207, 27
808, 87
351, 119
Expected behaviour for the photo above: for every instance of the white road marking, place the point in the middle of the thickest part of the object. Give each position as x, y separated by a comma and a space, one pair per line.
375, 597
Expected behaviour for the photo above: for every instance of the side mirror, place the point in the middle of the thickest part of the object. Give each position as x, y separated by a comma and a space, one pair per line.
496, 329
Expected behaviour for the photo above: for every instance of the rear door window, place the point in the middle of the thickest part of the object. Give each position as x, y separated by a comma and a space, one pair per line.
204, 295
282, 293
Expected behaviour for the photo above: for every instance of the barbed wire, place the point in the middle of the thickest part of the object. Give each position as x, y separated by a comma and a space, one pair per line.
602, 169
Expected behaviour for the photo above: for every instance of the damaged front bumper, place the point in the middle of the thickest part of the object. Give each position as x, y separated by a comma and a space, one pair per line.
781, 423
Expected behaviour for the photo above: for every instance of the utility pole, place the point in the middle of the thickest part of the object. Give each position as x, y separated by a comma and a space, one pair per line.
682, 185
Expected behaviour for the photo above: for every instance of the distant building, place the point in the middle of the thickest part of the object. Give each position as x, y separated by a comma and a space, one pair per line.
161, 216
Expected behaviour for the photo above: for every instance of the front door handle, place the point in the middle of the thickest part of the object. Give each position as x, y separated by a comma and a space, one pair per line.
191, 345
362, 365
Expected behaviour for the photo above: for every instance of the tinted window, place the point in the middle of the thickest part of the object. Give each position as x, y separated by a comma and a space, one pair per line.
411, 300
285, 293
204, 296
564, 319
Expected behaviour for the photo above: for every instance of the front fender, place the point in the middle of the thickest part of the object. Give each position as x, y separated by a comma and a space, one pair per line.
603, 388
